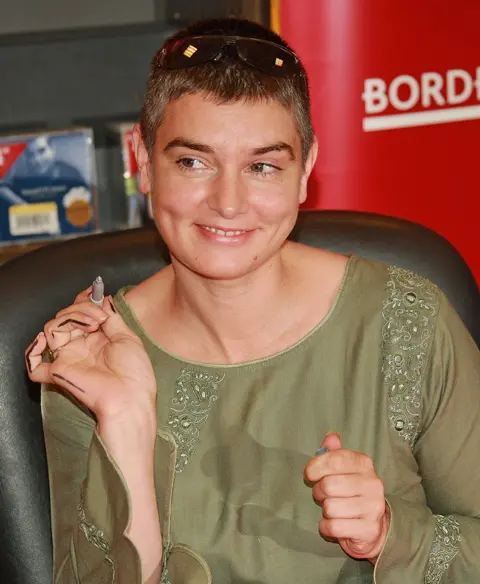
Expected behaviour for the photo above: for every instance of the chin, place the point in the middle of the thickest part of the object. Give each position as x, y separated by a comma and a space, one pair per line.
220, 269
224, 272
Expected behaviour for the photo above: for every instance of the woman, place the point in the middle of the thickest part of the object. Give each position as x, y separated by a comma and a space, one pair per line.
190, 419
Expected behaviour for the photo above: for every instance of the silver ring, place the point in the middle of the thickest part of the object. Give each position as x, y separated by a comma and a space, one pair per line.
52, 355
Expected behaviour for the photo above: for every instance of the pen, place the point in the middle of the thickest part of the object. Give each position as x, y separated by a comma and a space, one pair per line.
97, 291
321, 451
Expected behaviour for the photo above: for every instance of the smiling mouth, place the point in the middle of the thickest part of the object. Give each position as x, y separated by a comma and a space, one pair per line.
223, 233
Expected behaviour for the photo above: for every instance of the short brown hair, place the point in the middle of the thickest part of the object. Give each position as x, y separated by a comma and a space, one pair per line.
227, 80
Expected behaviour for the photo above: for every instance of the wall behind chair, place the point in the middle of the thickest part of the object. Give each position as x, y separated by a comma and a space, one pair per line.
65, 63
31, 16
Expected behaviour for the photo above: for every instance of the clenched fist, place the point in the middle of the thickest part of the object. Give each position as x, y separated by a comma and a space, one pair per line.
351, 495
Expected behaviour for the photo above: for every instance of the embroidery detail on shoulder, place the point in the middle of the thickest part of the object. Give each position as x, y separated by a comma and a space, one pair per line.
444, 548
195, 393
164, 579
95, 536
408, 325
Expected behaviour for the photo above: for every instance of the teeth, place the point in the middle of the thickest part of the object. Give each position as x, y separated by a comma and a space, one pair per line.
223, 233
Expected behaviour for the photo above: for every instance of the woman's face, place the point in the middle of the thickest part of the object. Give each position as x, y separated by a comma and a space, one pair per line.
226, 181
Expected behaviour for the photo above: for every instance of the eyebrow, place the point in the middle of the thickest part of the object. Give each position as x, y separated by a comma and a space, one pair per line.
199, 147
184, 143
277, 147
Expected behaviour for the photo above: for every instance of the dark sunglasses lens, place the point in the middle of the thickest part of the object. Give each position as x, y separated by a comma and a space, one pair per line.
268, 58
190, 52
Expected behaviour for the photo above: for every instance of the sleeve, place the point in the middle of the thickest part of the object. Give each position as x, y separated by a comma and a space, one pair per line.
89, 500
439, 543
90, 505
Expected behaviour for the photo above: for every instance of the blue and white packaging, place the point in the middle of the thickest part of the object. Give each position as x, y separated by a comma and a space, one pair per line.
47, 185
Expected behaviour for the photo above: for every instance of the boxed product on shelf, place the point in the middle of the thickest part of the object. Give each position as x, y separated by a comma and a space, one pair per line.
138, 205
47, 185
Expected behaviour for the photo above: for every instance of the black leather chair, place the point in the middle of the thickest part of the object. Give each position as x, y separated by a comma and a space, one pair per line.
35, 286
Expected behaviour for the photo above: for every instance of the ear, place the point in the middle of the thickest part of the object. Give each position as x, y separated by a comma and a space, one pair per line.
143, 161
307, 170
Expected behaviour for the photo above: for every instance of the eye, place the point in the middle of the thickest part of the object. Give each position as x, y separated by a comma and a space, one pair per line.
186, 163
263, 168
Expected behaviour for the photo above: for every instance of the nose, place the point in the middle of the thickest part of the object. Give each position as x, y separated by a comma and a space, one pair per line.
228, 196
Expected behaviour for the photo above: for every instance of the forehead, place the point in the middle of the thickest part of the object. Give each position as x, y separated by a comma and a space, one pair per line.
201, 117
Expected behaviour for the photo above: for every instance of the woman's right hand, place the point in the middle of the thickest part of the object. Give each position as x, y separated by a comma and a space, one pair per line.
103, 364
97, 358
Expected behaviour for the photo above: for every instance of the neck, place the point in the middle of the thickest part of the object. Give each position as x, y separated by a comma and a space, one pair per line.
236, 319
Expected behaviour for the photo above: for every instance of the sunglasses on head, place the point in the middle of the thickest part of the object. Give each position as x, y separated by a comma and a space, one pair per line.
260, 54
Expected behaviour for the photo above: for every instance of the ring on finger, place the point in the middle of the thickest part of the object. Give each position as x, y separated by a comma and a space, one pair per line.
52, 355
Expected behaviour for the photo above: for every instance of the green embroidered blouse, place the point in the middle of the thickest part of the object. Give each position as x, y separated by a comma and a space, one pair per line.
391, 368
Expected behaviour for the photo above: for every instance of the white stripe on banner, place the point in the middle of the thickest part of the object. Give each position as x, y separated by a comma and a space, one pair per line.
441, 116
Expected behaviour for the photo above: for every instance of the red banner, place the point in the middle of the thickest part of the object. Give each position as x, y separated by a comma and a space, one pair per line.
9, 153
129, 153
396, 103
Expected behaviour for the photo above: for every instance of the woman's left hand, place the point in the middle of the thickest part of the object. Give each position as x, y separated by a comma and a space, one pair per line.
355, 513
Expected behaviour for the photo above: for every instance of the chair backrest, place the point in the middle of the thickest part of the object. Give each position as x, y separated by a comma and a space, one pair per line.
34, 287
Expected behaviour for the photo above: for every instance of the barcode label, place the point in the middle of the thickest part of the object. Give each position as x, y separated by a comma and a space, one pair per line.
33, 219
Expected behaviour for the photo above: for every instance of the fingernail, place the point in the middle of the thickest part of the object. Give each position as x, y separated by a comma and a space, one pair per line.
321, 451
34, 344
112, 306
74, 322
332, 434
27, 356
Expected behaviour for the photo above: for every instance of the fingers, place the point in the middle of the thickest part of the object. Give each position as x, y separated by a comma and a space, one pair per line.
114, 327
83, 295
80, 318
66, 328
332, 441
33, 354
80, 322
352, 498
354, 529
339, 486
343, 508
37, 370
352, 508
337, 462
73, 322
73, 363
367, 486
86, 307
